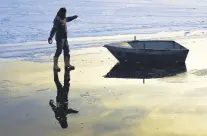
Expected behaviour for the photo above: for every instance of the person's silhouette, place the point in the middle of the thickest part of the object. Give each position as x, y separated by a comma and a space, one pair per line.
61, 108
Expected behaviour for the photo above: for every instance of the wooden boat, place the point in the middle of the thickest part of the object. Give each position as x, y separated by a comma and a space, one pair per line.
148, 52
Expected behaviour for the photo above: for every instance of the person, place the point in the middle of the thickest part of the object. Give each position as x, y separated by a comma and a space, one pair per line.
59, 29
61, 108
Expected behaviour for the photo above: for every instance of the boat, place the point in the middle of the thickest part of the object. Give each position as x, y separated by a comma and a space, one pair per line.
148, 52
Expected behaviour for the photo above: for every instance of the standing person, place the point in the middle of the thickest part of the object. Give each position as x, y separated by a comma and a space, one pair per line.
60, 28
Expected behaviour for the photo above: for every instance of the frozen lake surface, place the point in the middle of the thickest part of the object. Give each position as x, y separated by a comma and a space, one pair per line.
31, 20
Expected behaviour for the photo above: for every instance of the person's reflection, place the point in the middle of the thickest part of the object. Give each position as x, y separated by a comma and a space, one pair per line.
61, 108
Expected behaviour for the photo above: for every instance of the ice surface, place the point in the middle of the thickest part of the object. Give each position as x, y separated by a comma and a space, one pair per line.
31, 20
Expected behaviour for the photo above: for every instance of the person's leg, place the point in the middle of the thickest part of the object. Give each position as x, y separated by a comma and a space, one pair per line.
66, 86
67, 55
59, 44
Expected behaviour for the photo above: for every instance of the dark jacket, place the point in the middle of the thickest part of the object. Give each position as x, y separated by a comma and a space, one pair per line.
60, 27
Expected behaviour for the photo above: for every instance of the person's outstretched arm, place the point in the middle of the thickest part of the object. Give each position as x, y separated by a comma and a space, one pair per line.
70, 111
71, 18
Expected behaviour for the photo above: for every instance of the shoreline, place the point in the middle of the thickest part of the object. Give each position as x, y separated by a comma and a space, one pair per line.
43, 52
109, 38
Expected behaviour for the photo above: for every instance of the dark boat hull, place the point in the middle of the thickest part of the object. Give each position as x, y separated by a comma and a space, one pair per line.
155, 54
148, 56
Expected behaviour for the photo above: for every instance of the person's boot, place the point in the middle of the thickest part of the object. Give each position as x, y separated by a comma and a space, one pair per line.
67, 63
56, 67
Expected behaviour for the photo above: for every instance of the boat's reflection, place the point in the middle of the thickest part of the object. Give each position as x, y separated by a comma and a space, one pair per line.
145, 72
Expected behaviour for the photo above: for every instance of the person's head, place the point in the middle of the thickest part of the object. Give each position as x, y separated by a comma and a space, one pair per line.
63, 123
62, 13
